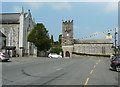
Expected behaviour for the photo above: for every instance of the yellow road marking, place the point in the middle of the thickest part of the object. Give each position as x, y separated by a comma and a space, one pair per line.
96, 63
94, 66
86, 82
91, 72
59, 69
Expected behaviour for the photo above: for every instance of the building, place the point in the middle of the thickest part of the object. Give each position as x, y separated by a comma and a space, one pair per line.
88, 46
2, 41
16, 27
119, 41
119, 36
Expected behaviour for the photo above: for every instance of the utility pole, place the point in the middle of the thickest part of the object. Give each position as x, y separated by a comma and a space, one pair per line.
115, 41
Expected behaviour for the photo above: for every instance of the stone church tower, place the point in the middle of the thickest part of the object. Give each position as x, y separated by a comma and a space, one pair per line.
67, 38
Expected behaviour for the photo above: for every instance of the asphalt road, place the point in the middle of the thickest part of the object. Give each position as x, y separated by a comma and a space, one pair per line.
46, 71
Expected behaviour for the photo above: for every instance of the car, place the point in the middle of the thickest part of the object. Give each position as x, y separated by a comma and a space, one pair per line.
115, 63
54, 55
4, 56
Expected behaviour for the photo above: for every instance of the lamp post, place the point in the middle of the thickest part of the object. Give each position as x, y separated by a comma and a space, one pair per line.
115, 41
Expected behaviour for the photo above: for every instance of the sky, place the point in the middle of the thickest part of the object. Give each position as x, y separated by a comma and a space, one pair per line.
88, 17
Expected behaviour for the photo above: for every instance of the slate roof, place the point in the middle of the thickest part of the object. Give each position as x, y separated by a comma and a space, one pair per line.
2, 34
92, 41
9, 18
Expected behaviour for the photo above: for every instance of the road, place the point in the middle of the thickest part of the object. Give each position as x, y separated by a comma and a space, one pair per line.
46, 71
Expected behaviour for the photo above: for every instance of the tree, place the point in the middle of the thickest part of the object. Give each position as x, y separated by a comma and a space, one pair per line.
40, 37
56, 50
60, 38
52, 40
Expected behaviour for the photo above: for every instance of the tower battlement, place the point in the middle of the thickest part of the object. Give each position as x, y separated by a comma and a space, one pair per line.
67, 22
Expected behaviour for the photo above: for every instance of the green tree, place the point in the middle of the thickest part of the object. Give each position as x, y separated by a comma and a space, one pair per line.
40, 37
60, 38
52, 40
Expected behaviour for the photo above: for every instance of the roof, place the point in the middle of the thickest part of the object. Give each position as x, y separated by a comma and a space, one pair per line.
9, 18
2, 34
92, 41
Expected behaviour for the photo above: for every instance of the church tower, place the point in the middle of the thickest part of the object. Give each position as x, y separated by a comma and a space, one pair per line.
67, 38
67, 32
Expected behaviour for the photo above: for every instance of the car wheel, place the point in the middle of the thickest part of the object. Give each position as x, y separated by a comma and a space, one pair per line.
118, 68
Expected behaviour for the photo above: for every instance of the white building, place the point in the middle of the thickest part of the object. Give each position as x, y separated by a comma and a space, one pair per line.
16, 27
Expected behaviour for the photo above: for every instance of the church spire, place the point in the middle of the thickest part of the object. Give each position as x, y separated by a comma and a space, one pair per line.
22, 10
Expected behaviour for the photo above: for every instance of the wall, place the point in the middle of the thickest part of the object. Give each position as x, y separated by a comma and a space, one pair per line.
12, 34
93, 48
68, 48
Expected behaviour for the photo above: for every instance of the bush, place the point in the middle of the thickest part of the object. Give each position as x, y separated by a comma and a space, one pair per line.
90, 54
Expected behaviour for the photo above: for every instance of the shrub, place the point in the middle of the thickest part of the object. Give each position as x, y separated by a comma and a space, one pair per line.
100, 55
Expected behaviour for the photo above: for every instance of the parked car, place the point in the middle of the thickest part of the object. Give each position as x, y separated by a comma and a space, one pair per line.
54, 55
115, 63
4, 56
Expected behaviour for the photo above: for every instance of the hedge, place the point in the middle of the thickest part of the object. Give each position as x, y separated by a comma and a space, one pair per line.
91, 54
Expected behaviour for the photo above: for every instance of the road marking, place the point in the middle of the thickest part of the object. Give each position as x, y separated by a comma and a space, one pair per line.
91, 72
96, 63
86, 82
59, 69
94, 66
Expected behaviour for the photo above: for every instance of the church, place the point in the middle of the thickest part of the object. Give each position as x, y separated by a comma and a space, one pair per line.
16, 27
88, 46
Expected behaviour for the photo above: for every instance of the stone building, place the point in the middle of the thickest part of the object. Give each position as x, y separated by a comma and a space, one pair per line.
16, 27
119, 41
2, 40
88, 46
119, 36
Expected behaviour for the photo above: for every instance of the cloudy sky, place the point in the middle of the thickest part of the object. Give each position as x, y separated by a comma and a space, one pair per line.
89, 17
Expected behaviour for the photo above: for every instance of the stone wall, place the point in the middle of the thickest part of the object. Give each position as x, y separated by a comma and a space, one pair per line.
12, 33
68, 48
93, 48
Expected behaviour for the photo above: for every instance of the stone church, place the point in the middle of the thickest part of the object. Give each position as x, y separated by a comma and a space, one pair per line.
16, 27
88, 46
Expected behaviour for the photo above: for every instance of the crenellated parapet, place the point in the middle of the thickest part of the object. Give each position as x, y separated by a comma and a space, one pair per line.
67, 22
